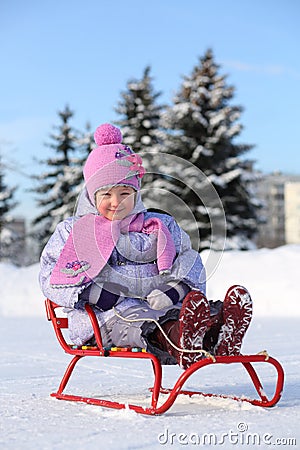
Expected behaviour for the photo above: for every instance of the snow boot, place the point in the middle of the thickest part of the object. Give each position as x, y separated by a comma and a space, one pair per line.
187, 332
215, 324
193, 322
237, 315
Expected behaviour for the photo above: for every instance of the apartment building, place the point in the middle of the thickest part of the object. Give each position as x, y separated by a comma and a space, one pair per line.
280, 214
292, 212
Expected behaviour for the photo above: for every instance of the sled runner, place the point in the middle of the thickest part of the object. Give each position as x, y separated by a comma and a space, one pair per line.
61, 323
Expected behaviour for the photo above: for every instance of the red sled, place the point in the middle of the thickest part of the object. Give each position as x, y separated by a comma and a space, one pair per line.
59, 323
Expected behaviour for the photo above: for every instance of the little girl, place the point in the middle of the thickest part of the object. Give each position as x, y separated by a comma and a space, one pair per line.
136, 268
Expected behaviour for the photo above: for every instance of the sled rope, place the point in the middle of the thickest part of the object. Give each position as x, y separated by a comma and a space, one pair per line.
148, 319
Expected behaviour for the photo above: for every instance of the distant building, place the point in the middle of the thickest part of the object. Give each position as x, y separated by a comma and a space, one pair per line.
281, 210
292, 212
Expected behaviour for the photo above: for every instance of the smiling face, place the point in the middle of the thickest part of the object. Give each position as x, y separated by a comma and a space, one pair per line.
115, 203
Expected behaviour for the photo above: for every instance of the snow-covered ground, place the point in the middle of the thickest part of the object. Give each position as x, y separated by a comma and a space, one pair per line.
32, 364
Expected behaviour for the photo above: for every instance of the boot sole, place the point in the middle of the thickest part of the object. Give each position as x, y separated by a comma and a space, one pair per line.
193, 320
237, 313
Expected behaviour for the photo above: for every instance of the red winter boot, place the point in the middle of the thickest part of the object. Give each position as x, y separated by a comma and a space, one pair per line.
193, 322
237, 314
187, 332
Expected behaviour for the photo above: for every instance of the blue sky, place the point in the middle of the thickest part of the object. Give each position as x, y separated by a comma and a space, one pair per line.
83, 53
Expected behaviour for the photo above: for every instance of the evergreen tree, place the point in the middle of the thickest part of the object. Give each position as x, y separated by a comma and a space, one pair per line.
58, 186
201, 127
140, 113
85, 143
7, 203
140, 121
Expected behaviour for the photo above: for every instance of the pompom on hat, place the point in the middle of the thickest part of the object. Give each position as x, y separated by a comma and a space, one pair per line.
111, 163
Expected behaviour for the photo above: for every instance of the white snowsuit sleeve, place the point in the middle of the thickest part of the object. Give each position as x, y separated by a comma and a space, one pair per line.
67, 296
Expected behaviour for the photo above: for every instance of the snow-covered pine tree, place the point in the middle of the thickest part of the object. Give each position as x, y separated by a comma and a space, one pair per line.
139, 121
7, 203
84, 145
57, 187
202, 127
140, 113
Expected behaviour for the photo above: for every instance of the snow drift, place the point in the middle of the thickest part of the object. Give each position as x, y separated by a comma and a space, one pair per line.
271, 276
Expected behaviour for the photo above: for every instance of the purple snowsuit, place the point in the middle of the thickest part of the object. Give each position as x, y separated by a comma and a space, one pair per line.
135, 279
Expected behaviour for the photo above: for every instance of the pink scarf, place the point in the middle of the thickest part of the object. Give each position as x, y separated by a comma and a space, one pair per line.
92, 240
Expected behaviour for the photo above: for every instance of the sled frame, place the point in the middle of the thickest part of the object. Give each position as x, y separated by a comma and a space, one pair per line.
60, 323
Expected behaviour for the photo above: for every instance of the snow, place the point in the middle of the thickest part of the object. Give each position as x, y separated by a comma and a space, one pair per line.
32, 364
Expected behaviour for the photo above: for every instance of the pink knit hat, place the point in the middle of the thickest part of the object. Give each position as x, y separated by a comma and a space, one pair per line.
111, 163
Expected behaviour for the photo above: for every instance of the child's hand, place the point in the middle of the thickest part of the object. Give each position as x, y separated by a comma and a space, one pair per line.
158, 299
